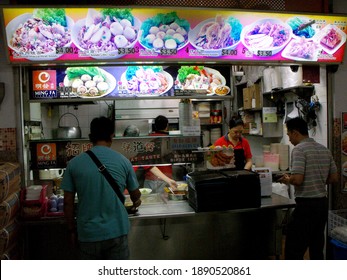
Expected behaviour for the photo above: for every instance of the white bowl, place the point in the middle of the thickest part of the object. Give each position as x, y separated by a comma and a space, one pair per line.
179, 46
112, 54
344, 169
167, 76
344, 140
197, 87
193, 34
145, 191
110, 80
265, 49
14, 24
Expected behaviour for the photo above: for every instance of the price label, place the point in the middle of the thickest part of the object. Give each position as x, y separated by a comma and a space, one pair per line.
168, 51
128, 50
229, 52
264, 53
65, 50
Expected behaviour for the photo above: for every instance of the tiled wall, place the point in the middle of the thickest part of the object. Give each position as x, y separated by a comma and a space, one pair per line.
8, 146
84, 114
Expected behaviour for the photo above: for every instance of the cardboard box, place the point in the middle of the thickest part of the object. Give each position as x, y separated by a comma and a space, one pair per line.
255, 94
252, 97
247, 99
10, 179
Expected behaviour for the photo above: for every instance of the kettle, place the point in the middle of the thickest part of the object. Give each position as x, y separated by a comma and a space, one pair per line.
70, 132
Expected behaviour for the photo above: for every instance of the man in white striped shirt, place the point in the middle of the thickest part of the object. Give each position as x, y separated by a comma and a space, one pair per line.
312, 168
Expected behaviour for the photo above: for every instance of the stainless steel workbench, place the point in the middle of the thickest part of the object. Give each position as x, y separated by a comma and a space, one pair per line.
173, 230
170, 209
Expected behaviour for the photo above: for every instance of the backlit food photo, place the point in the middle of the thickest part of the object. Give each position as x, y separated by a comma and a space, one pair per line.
215, 34
167, 31
38, 36
266, 35
89, 82
102, 33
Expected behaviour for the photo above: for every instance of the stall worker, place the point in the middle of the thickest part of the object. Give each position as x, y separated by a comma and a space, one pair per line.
149, 175
242, 149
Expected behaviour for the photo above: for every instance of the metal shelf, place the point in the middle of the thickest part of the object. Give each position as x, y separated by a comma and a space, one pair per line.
304, 92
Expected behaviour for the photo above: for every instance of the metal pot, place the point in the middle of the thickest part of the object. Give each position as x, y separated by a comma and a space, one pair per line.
70, 132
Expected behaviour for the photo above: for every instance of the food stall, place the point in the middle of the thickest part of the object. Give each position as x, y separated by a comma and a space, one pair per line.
95, 61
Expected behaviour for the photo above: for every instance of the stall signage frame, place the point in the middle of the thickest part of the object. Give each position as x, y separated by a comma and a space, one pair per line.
240, 45
344, 151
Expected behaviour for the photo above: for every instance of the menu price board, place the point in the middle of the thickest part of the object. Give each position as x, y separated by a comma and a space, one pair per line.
90, 82
35, 35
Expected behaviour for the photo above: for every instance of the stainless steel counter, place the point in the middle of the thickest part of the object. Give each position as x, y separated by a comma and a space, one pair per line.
169, 209
173, 230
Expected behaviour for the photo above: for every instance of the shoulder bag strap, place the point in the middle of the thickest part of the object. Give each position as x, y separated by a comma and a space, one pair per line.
109, 178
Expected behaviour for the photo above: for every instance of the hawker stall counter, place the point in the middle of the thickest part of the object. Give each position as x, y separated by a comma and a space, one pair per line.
165, 231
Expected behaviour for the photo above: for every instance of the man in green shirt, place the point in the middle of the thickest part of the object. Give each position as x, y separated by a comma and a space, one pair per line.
102, 220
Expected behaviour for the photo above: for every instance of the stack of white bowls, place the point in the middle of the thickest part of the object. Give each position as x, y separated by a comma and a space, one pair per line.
284, 157
33, 192
275, 148
204, 109
206, 138
215, 134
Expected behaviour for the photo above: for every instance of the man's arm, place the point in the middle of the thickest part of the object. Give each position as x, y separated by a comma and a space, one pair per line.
135, 198
333, 178
294, 179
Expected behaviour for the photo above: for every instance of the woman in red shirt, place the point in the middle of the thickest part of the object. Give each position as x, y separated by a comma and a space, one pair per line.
242, 149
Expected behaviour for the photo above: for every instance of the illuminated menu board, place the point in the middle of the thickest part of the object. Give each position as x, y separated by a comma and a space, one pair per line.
86, 82
171, 34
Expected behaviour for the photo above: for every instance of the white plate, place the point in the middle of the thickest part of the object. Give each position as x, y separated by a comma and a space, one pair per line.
304, 20
272, 50
110, 80
344, 139
325, 31
11, 28
210, 71
112, 54
193, 34
168, 77
286, 51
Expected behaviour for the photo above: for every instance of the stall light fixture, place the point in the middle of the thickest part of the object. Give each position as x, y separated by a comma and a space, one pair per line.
294, 68
238, 75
